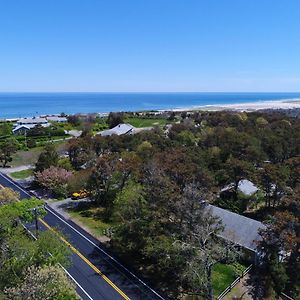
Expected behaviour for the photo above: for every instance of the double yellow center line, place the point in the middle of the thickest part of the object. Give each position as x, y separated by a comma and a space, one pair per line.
86, 260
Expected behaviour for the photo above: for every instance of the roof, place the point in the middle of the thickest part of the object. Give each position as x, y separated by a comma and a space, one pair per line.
245, 186
118, 130
239, 229
29, 126
57, 119
32, 121
19, 127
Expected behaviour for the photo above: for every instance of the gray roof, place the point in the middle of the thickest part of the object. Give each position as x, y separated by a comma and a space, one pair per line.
245, 186
118, 130
57, 119
29, 126
32, 121
238, 229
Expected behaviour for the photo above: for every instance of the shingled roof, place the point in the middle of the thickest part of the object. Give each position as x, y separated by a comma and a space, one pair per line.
239, 229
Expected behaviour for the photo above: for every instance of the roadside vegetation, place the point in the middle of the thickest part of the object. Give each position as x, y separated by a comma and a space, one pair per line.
27, 269
22, 174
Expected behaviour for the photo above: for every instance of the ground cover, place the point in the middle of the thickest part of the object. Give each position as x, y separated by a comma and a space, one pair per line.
22, 174
30, 157
224, 274
146, 122
91, 218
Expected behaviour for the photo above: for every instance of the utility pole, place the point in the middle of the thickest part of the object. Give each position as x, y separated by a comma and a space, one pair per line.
36, 221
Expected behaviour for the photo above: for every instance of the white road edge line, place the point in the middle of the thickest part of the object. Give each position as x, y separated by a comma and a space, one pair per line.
118, 263
34, 237
77, 283
112, 258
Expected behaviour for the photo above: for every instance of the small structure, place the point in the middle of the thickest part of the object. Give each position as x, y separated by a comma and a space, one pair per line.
120, 129
245, 187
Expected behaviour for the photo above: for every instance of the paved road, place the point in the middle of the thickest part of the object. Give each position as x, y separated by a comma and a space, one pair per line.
97, 274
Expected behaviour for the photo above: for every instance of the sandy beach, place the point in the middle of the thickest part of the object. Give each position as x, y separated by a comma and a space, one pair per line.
251, 106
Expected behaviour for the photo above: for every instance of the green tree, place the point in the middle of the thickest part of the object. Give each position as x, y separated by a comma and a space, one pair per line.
49, 157
114, 119
7, 149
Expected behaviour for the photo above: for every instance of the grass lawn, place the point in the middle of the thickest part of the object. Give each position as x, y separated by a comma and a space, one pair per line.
223, 275
22, 174
146, 122
91, 218
30, 157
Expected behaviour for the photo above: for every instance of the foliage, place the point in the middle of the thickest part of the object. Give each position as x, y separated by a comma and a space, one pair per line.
47, 158
114, 119
8, 196
7, 149
48, 283
54, 179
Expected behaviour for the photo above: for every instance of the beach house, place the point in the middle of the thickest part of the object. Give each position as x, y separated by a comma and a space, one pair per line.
25, 124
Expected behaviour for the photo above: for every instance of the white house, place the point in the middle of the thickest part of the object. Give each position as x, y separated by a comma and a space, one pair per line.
25, 124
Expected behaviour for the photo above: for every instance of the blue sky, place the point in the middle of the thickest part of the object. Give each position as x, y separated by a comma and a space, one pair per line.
157, 45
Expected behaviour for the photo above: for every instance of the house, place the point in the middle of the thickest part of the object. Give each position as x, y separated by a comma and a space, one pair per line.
245, 187
24, 124
21, 129
120, 129
57, 119
32, 121
240, 230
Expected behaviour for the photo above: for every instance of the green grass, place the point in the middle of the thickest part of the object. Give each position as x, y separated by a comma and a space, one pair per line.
91, 218
223, 275
30, 157
22, 174
146, 122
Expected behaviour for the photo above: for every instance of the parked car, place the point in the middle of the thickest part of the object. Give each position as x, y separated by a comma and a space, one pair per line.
80, 195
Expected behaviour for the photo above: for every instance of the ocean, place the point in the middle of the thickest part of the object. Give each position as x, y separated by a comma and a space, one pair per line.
15, 105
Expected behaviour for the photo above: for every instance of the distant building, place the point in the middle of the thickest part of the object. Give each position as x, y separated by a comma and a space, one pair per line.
245, 187
120, 129
57, 119
24, 124
22, 129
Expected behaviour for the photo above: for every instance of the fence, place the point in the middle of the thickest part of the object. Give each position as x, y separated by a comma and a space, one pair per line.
233, 284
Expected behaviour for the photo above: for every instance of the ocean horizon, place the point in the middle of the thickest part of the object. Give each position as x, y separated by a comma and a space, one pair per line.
28, 104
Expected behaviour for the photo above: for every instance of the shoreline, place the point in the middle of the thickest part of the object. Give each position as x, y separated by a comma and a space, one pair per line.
239, 107
247, 107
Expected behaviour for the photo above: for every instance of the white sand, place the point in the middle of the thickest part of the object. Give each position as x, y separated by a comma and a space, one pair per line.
251, 106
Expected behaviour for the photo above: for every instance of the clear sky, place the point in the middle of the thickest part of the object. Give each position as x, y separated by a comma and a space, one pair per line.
150, 45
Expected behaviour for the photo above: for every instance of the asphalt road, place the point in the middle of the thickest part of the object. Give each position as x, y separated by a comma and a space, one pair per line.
97, 274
